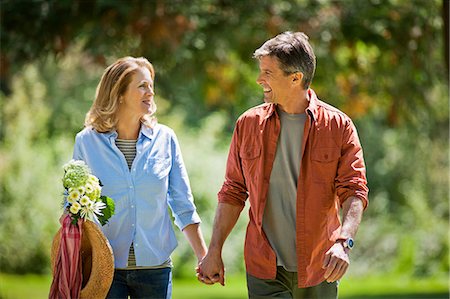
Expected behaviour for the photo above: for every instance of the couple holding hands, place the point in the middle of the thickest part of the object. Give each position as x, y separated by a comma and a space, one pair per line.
296, 159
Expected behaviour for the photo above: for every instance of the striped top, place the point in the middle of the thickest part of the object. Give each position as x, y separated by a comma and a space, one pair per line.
128, 149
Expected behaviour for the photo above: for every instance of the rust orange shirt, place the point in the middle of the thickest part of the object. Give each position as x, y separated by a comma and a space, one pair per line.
332, 170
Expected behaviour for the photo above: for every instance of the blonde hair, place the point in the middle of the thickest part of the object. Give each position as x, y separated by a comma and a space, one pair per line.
102, 115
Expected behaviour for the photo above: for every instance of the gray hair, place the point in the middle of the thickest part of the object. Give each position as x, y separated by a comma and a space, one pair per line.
294, 53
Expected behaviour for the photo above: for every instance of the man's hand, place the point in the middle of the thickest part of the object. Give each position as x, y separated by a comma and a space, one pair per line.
336, 262
211, 270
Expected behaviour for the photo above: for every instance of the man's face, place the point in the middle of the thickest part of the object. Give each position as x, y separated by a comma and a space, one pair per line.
275, 83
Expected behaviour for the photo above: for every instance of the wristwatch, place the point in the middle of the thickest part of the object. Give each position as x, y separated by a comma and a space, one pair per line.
348, 243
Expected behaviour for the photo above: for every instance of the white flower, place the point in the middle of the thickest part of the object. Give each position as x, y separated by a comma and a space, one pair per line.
86, 213
73, 197
93, 179
75, 208
91, 210
89, 188
84, 201
76, 173
81, 189
98, 190
98, 206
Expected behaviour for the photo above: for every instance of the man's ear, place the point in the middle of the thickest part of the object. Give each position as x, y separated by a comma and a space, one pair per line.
297, 78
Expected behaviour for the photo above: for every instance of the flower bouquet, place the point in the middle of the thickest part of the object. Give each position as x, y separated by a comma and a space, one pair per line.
83, 201
83, 194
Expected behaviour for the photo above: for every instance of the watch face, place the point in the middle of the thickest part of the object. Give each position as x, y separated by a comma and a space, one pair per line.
350, 243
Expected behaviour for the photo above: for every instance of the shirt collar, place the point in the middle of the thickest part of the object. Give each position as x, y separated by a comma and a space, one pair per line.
311, 109
144, 132
312, 106
271, 108
148, 132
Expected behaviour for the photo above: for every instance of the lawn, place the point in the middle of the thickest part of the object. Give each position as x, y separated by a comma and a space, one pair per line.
36, 287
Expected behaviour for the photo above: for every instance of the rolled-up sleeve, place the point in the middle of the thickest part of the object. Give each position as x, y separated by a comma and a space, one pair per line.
351, 176
234, 190
180, 198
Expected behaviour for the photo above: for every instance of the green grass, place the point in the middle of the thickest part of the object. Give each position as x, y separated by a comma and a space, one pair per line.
394, 286
24, 286
376, 287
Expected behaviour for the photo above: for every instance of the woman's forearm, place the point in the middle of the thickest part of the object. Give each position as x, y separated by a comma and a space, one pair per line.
195, 237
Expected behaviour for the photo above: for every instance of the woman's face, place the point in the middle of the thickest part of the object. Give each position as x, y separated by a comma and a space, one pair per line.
138, 98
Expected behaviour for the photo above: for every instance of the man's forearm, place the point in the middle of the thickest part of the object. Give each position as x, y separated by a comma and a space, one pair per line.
353, 209
224, 221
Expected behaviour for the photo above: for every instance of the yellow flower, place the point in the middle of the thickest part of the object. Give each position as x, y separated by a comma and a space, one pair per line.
84, 200
93, 179
81, 189
89, 188
73, 196
75, 208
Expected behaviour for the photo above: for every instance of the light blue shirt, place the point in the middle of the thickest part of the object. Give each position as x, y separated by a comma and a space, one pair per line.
157, 180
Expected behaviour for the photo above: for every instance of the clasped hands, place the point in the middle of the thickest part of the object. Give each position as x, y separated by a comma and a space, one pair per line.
210, 269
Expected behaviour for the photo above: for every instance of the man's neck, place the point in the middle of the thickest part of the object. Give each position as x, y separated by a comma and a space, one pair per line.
296, 104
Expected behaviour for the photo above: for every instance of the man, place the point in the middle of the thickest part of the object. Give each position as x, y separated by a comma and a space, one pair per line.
299, 161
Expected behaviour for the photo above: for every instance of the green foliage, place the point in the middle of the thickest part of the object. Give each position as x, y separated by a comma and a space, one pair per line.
30, 178
108, 211
206, 47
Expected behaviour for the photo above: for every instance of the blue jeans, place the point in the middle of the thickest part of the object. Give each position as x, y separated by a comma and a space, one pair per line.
143, 283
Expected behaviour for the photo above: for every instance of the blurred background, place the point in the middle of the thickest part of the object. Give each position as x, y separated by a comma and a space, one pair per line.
383, 62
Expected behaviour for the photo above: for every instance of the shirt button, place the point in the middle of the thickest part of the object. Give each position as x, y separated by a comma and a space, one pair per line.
132, 224
132, 206
131, 187
136, 245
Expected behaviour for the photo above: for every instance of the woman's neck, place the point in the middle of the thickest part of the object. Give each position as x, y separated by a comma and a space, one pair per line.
128, 130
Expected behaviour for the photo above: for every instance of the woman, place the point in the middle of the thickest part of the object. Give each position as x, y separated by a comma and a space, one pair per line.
140, 165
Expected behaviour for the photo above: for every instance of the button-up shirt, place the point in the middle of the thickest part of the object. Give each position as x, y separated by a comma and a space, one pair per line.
332, 170
157, 180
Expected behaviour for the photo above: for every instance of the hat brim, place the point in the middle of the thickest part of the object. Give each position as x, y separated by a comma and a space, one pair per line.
97, 261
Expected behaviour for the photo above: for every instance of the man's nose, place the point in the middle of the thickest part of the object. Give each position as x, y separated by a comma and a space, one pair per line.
259, 79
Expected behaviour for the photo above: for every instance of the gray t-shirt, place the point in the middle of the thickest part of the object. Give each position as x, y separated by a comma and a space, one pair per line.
279, 219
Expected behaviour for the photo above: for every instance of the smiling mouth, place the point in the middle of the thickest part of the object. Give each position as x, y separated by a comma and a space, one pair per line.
147, 103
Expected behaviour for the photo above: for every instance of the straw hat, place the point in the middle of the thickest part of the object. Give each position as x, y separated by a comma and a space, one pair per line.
97, 261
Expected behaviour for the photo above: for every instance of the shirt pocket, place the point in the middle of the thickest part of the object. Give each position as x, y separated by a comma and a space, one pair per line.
325, 162
158, 167
249, 156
